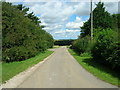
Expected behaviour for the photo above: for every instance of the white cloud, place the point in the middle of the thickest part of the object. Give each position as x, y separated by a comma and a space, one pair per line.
72, 30
67, 34
62, 0
61, 31
111, 7
55, 14
78, 19
82, 8
43, 23
94, 0
76, 24
67, 31
47, 28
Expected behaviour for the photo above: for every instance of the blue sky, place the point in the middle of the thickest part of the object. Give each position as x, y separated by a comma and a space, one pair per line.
73, 17
62, 19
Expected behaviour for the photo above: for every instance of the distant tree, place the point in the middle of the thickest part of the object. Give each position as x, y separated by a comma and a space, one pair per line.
63, 42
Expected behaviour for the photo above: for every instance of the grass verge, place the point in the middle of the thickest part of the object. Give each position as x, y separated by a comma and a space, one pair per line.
97, 69
55, 46
11, 69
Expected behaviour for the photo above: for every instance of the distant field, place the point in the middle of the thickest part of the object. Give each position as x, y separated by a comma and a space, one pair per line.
11, 69
96, 69
56, 46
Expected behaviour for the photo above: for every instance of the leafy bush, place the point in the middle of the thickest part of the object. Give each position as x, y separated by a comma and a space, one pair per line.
104, 47
81, 45
86, 54
22, 35
114, 58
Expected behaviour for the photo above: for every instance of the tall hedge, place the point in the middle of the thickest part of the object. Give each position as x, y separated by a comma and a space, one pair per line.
81, 45
22, 38
106, 48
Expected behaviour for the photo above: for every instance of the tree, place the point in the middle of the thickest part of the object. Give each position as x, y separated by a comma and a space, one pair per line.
22, 38
22, 8
33, 18
101, 19
106, 48
116, 23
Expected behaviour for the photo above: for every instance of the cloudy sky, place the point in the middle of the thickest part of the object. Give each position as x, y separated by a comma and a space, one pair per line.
63, 18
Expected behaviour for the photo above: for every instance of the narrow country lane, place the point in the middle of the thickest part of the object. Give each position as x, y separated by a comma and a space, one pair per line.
61, 70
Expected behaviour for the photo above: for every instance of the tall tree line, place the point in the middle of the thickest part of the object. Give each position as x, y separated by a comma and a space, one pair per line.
105, 46
22, 35
63, 42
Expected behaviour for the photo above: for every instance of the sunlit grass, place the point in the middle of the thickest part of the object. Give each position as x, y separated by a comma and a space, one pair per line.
56, 46
11, 69
97, 69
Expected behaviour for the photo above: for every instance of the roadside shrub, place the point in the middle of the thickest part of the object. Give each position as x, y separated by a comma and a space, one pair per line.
86, 54
103, 49
22, 36
114, 58
81, 45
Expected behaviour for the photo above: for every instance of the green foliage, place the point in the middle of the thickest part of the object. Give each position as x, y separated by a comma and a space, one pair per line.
116, 23
116, 20
97, 69
86, 54
105, 49
114, 58
22, 36
22, 8
63, 42
105, 46
33, 18
81, 45
101, 19
13, 68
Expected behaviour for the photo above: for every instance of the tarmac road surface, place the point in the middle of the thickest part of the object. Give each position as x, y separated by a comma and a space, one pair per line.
61, 70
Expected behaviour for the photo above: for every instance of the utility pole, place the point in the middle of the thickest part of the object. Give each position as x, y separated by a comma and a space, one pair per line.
91, 21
